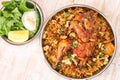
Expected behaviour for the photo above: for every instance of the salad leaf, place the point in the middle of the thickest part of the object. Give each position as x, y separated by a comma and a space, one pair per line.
10, 5
37, 19
7, 14
23, 7
0, 13
2, 20
10, 23
10, 20
17, 13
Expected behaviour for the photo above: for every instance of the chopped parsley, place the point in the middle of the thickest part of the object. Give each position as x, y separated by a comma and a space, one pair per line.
101, 54
74, 44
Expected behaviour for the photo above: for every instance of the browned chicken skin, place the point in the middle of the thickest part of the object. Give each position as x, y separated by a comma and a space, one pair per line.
81, 32
84, 51
63, 47
83, 29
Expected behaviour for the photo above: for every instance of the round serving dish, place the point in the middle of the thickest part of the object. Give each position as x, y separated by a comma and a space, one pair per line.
70, 6
39, 28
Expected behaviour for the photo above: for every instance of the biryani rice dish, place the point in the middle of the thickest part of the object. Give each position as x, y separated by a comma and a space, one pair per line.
78, 42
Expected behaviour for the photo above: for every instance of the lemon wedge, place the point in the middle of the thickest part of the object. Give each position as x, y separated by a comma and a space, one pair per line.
18, 36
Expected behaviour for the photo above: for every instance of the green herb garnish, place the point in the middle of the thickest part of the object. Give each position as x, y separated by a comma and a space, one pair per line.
104, 47
101, 54
74, 44
70, 55
96, 47
60, 31
58, 67
67, 14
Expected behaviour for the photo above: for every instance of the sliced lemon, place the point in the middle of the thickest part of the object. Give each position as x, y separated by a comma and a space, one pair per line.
18, 36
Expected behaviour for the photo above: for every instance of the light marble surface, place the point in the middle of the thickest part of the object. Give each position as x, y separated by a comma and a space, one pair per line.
26, 62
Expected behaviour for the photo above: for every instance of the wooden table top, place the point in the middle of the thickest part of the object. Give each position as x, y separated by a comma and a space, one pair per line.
26, 62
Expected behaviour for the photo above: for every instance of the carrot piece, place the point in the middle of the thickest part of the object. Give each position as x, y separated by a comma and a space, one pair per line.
109, 48
78, 17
